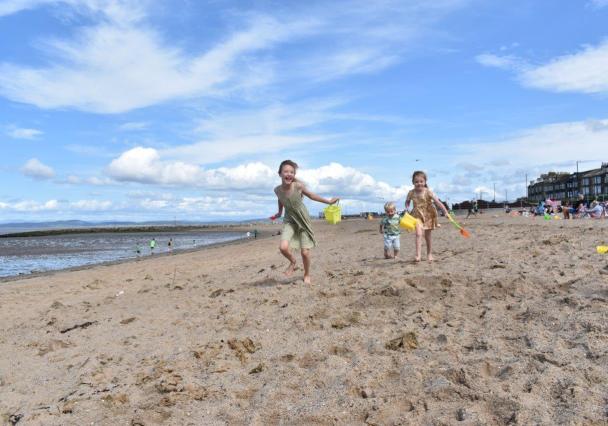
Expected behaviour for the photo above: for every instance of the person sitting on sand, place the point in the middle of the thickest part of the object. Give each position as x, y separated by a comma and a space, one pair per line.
423, 209
596, 211
297, 231
578, 208
389, 227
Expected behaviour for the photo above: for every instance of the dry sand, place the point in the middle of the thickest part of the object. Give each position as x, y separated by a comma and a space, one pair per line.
507, 327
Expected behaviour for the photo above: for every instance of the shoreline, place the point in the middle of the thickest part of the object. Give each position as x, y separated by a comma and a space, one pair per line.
261, 235
127, 230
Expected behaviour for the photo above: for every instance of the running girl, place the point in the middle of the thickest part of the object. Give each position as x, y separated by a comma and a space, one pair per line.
423, 199
297, 232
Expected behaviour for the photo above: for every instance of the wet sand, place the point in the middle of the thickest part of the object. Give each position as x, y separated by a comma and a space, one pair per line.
507, 327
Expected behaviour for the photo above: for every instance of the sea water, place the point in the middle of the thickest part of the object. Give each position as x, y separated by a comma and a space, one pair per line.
26, 255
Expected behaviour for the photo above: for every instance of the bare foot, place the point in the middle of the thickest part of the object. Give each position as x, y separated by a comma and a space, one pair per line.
416, 259
430, 258
307, 279
290, 269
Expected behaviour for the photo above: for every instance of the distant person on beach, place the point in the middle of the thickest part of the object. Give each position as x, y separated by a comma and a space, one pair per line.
170, 245
297, 231
423, 209
152, 245
137, 250
389, 227
473, 209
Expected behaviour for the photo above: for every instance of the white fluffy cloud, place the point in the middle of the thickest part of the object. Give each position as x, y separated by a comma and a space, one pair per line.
336, 179
8, 7
585, 71
32, 206
531, 152
121, 62
553, 144
122, 11
496, 61
145, 165
134, 126
37, 170
258, 130
598, 3
23, 133
91, 205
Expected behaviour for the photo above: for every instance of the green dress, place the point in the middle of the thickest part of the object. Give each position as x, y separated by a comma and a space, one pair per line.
296, 223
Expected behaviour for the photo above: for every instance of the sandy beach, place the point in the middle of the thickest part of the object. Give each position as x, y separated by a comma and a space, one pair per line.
509, 326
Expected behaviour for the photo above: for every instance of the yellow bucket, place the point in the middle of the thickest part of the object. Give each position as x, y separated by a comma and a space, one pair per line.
408, 222
333, 214
602, 249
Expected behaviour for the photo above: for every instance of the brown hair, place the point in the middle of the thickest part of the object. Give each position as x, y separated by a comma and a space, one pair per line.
420, 173
288, 163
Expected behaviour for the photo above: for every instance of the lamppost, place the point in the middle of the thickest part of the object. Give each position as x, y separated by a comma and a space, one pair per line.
578, 182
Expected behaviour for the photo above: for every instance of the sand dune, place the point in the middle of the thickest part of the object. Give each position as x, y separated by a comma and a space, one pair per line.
507, 327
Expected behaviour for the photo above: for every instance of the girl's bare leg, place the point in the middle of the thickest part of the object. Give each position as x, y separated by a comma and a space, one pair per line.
284, 249
306, 262
427, 237
419, 231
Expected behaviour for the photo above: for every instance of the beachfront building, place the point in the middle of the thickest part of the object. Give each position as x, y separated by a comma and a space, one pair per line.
563, 186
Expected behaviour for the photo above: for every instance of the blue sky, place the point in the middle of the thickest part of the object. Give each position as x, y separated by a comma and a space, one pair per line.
144, 110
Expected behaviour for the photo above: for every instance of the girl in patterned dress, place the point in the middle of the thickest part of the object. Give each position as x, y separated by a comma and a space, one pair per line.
423, 199
297, 232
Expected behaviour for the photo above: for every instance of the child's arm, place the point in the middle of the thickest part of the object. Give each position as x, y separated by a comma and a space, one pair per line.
279, 213
440, 204
407, 203
316, 197
381, 227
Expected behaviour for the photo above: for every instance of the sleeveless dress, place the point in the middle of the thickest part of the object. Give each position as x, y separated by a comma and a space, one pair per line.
424, 209
296, 223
